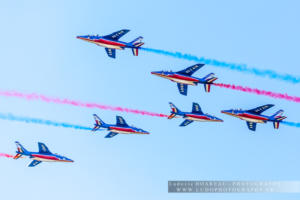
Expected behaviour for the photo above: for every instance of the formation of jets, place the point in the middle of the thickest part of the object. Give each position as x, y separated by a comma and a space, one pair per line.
183, 78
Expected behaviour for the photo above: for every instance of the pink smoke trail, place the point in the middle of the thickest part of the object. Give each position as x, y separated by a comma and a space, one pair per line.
6, 155
47, 99
259, 92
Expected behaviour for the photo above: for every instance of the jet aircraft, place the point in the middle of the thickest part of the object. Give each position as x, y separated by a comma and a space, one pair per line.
195, 115
111, 42
254, 116
184, 78
43, 155
120, 127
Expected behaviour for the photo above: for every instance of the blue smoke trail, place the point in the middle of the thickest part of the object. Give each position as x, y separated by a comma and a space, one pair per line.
41, 121
294, 124
237, 67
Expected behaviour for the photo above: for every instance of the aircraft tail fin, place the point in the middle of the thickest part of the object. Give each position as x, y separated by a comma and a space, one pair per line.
209, 79
99, 123
137, 43
174, 111
20, 151
277, 118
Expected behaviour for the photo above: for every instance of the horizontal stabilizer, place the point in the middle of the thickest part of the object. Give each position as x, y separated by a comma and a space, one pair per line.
207, 87
276, 125
135, 51
171, 116
17, 156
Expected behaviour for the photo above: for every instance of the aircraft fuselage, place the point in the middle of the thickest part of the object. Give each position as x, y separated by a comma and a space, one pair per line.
48, 158
251, 117
200, 118
178, 78
111, 44
125, 130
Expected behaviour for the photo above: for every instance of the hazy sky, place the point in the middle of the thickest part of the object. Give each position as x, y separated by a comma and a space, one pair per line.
40, 53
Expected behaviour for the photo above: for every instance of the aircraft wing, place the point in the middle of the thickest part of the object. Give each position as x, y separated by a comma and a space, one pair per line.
261, 109
182, 88
34, 163
186, 122
117, 35
121, 121
251, 126
43, 148
196, 108
111, 52
111, 134
190, 70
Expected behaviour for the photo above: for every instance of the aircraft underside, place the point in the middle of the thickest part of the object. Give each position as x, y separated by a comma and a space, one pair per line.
252, 120
183, 81
44, 160
198, 119
124, 132
109, 46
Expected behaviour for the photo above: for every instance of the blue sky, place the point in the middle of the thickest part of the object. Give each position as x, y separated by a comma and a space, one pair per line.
40, 53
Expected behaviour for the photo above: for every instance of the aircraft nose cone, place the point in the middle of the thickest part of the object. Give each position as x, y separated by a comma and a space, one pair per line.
81, 37
156, 73
224, 111
68, 160
219, 120
227, 112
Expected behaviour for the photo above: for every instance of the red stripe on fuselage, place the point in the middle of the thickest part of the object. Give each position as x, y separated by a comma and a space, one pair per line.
103, 41
45, 157
198, 116
122, 129
186, 78
248, 115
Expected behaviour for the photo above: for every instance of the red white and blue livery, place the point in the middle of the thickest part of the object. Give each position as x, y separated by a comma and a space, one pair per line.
111, 42
43, 155
120, 127
254, 116
195, 115
184, 78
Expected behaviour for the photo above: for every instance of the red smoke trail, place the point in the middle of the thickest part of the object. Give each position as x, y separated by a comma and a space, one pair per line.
76, 103
259, 92
6, 155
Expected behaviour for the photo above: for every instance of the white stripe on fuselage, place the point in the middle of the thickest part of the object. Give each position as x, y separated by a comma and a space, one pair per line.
124, 132
181, 81
44, 160
252, 120
109, 46
197, 119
